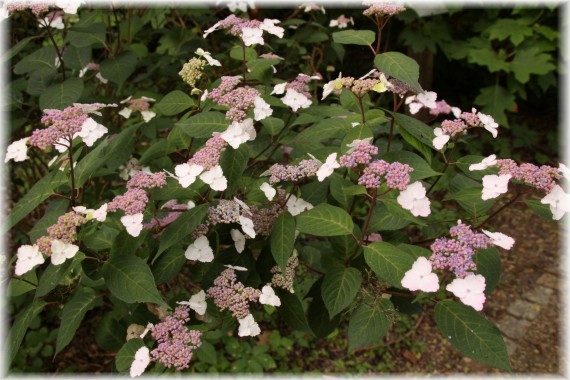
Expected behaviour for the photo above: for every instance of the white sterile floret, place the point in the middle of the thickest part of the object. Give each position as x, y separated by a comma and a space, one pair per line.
269, 191
355, 143
564, 170
440, 138
424, 99
208, 57
61, 251
200, 250
133, 223
52, 22
17, 151
489, 161
421, 277
236, 267
238, 133
91, 131
383, 86
500, 239
269, 26
211, 29
341, 22
248, 326
142, 360
247, 226
331, 86
495, 185
414, 199
470, 290
279, 89
186, 174
488, 123
90, 214
28, 257
295, 205
261, 109
101, 78
242, 204
197, 303
252, 36
147, 115
239, 240
125, 112
328, 167
295, 100
69, 6
559, 202
215, 178
268, 297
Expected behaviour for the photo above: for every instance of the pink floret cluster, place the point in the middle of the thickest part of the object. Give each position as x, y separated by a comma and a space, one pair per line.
64, 230
301, 85
542, 177
59, 123
209, 156
362, 155
236, 24
134, 201
240, 99
453, 127
36, 7
381, 9
293, 173
396, 174
228, 293
144, 180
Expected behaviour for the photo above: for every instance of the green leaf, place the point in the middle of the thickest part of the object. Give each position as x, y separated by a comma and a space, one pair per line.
83, 36
390, 216
354, 37
174, 102
110, 334
425, 150
470, 200
540, 209
368, 325
233, 163
401, 67
11, 53
168, 265
504, 28
360, 132
318, 317
61, 95
472, 334
53, 275
22, 284
236, 52
262, 63
72, 314
43, 58
421, 168
55, 208
20, 326
76, 58
118, 69
416, 128
36, 195
388, 262
495, 100
129, 279
325, 220
291, 310
283, 239
326, 129
489, 265
39, 81
204, 124
181, 228
531, 61
339, 289
273, 125
126, 355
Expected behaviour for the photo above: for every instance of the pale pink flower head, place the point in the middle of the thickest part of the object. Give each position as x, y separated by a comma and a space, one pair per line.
414, 199
248, 326
440, 138
470, 290
495, 185
421, 277
28, 257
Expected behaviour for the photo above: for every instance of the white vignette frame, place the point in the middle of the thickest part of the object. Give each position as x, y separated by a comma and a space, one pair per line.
564, 150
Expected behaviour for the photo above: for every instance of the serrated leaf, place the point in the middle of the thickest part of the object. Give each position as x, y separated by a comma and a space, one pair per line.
326, 129
43, 58
22, 284
174, 102
10, 53
168, 265
470, 200
233, 163
504, 28
204, 124
488, 263
72, 314
272, 125
129, 279
531, 61
540, 209
20, 326
401, 67
354, 37
291, 310
494, 101
339, 289
319, 320
61, 95
472, 334
76, 58
368, 325
39, 81
388, 262
283, 239
126, 355
325, 220
416, 128
82, 35
181, 228
53, 275
118, 69
110, 334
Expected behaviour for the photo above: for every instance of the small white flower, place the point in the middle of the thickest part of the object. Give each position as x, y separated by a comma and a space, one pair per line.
147, 115
211, 29
208, 56
100, 214
269, 26
28, 257
470, 290
328, 167
91, 131
268, 297
17, 151
331, 86
248, 326
495, 185
383, 86
414, 199
279, 89
440, 138
295, 205
354, 124
307, 7
489, 161
238, 133
488, 123
269, 191
239, 240
60, 251
133, 223
242, 204
423, 99
559, 202
341, 22
197, 303
564, 170
149, 326
69, 6
215, 178
262, 109
200, 250
52, 22
252, 36
186, 174
456, 112
420, 277
295, 100
236, 267
125, 112
101, 79
500, 239
142, 360
247, 226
